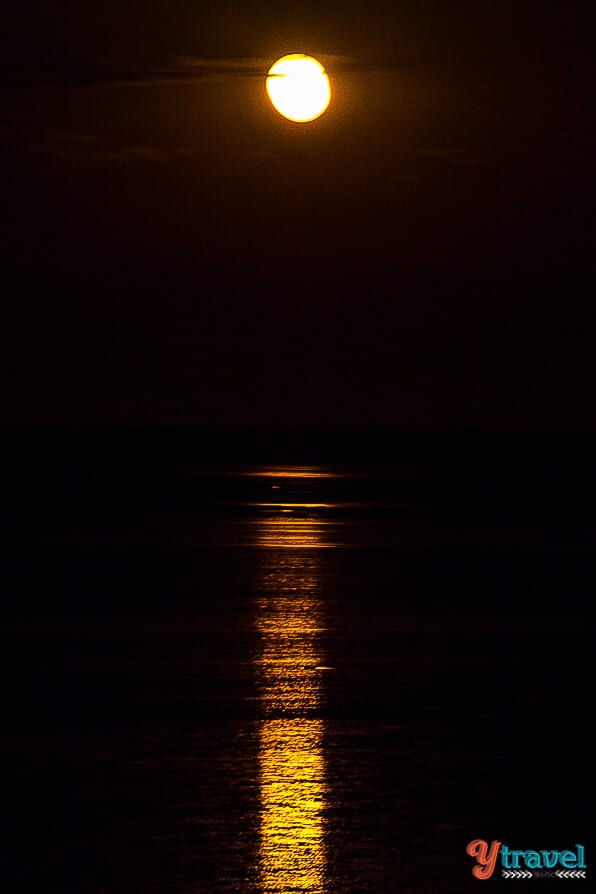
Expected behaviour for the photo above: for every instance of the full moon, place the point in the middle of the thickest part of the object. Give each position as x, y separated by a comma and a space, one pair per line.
298, 87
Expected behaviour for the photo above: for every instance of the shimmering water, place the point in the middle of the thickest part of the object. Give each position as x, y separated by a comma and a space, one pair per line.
291, 682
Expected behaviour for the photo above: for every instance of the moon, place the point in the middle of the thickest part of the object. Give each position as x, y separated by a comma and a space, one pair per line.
298, 88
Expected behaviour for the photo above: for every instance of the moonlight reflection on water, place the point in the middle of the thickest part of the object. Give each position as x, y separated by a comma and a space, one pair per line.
291, 759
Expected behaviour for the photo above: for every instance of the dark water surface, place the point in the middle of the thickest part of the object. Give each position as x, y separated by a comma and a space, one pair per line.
294, 681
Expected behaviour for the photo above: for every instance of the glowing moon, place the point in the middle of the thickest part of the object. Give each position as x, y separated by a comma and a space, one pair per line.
298, 87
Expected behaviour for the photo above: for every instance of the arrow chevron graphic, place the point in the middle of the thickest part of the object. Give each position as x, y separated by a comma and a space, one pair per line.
561, 873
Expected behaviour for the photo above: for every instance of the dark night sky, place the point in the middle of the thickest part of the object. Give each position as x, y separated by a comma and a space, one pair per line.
174, 252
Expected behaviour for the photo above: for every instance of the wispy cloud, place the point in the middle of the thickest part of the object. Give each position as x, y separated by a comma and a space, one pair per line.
180, 70
42, 150
79, 148
450, 155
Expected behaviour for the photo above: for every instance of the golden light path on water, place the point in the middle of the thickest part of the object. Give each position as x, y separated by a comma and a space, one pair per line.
289, 667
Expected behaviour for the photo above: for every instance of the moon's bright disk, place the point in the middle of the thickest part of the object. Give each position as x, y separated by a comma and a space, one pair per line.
298, 87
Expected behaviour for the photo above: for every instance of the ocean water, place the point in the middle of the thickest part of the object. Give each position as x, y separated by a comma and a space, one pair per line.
285, 679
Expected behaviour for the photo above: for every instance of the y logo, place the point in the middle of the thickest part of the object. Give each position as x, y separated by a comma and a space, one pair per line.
486, 857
